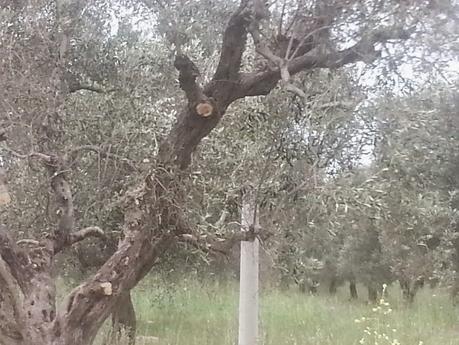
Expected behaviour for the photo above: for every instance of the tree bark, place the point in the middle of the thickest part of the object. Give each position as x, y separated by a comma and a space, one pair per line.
353, 289
333, 287
124, 321
410, 288
372, 294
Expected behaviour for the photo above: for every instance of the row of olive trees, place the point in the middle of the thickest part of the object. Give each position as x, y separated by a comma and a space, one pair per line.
393, 220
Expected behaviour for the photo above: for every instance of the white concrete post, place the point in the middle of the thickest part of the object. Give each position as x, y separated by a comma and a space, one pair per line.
248, 288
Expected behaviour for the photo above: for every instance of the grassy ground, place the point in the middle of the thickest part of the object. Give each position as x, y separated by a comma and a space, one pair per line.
189, 313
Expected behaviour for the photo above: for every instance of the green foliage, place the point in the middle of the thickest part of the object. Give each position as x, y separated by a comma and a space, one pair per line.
392, 219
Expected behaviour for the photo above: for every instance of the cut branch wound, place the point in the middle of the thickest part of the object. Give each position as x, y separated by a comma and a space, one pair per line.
204, 109
188, 73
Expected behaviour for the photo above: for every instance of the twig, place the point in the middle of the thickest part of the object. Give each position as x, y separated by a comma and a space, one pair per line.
96, 149
38, 155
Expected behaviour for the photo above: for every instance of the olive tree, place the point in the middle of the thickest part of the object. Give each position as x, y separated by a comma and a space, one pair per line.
261, 46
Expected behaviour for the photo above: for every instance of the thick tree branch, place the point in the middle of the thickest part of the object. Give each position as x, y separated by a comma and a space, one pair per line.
262, 82
3, 136
365, 49
92, 231
198, 102
10, 252
62, 192
216, 243
188, 73
79, 236
9, 331
222, 245
63, 236
89, 304
15, 293
233, 45
13, 264
64, 200
262, 47
86, 87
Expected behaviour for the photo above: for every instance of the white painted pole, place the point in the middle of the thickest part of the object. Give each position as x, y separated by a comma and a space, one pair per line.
248, 288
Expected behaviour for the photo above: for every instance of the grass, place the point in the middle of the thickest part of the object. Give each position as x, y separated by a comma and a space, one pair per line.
190, 313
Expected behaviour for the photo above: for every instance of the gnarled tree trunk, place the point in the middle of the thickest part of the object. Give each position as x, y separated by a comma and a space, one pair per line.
410, 288
124, 320
333, 286
372, 292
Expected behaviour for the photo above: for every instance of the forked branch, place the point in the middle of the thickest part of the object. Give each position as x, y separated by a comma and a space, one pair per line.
262, 82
